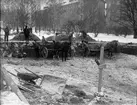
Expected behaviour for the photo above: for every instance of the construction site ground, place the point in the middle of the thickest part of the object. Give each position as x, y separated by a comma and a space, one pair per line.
65, 79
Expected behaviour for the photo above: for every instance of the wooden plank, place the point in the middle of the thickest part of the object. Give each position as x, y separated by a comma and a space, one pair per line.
42, 80
33, 72
101, 69
13, 85
25, 88
25, 82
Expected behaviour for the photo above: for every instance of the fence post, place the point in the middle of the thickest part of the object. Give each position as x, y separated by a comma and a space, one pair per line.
136, 97
101, 68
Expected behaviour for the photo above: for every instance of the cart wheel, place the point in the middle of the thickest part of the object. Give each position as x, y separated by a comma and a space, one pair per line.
44, 52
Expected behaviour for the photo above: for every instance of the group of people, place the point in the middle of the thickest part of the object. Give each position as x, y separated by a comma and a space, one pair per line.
26, 31
67, 47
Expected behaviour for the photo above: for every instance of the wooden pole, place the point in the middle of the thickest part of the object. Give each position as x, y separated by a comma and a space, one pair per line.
101, 69
136, 97
13, 85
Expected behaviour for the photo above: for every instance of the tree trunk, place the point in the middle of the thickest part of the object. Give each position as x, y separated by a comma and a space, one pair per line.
135, 33
36, 29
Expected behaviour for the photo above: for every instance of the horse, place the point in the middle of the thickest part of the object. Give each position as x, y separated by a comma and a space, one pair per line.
63, 48
111, 47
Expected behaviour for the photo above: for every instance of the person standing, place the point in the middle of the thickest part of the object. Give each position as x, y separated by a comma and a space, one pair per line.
71, 43
26, 34
43, 40
6, 30
85, 48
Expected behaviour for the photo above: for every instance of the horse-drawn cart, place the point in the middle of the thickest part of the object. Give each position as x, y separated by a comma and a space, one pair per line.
21, 49
45, 50
93, 48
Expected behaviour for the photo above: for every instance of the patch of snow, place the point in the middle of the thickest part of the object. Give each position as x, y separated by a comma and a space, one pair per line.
43, 33
110, 37
1, 32
10, 98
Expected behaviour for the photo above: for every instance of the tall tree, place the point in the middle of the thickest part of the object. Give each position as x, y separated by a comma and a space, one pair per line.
55, 12
18, 12
93, 16
128, 14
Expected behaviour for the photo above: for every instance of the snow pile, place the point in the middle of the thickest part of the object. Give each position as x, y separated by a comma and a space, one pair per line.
21, 37
100, 37
110, 37
43, 33
10, 37
10, 98
1, 32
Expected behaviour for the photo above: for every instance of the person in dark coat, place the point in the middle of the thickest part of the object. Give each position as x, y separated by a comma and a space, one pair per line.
36, 47
56, 49
65, 50
85, 49
6, 30
27, 34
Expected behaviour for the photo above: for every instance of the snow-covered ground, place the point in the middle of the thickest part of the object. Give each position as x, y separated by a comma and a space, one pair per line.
44, 33
100, 37
10, 98
110, 37
119, 77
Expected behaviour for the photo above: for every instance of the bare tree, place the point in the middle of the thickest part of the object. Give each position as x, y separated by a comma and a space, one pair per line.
91, 16
18, 12
87, 17
128, 14
54, 13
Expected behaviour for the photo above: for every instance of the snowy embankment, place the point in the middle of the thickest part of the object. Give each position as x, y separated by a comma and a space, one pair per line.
110, 37
44, 33
100, 37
